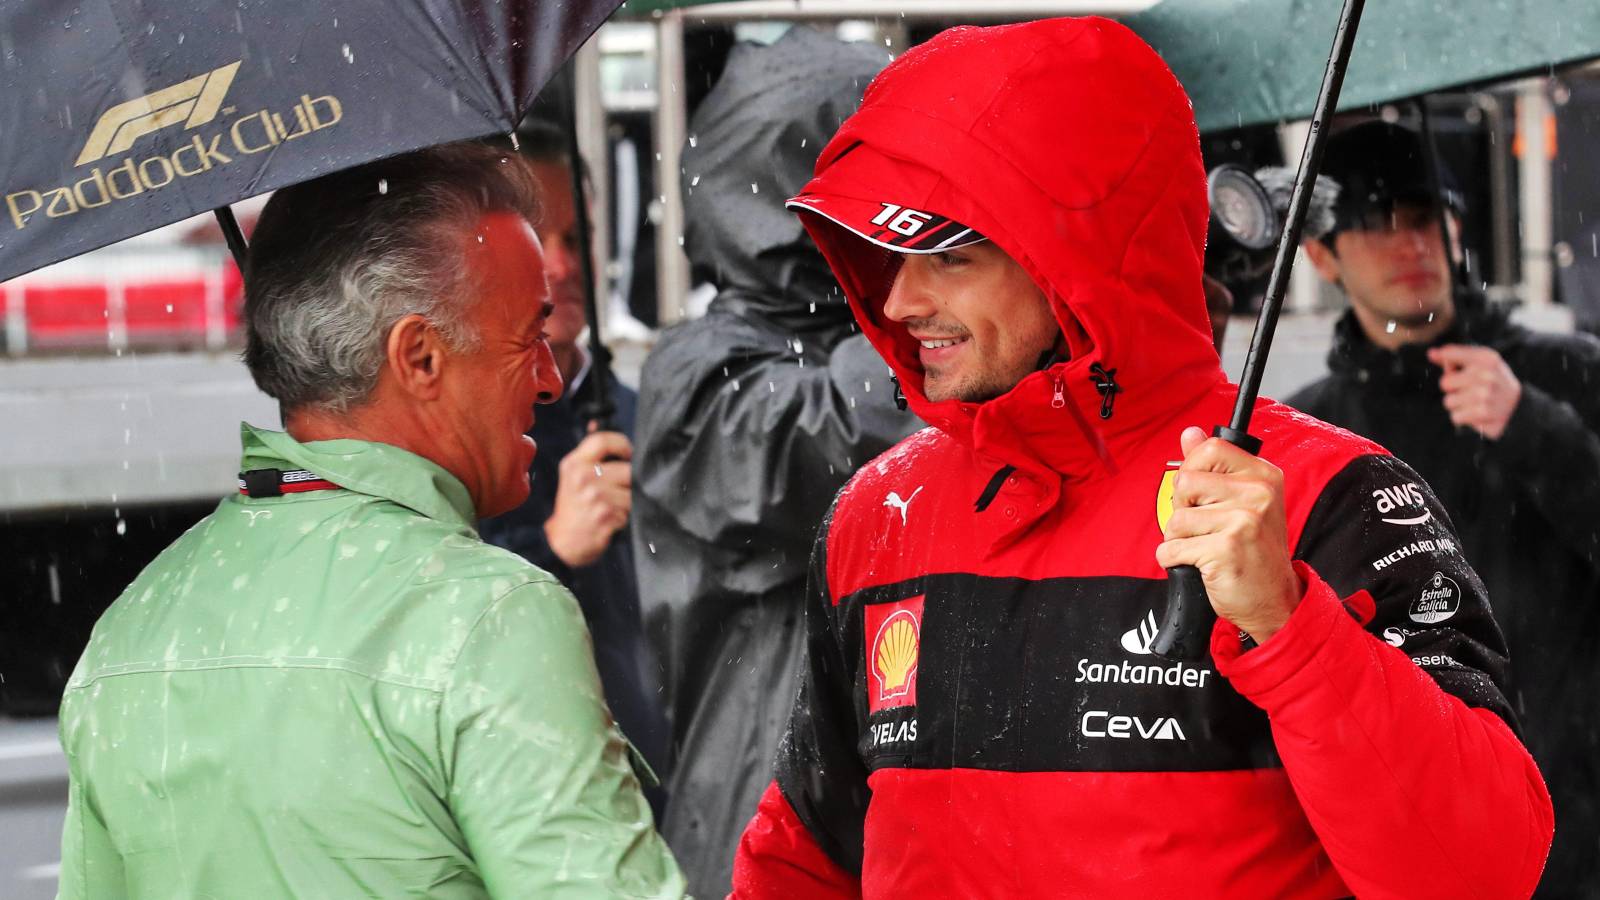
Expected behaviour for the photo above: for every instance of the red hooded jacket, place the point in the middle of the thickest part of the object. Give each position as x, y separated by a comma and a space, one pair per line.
979, 713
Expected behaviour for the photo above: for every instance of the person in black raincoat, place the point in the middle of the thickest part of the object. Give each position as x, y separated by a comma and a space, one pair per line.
1504, 424
750, 419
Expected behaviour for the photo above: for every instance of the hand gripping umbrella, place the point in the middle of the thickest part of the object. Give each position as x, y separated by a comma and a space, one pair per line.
115, 122
1189, 619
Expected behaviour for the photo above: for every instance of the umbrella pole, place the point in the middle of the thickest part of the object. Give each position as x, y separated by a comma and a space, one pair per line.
1432, 161
597, 405
1186, 630
231, 234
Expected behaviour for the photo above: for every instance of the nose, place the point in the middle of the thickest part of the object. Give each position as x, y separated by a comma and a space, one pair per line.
546, 375
908, 296
560, 261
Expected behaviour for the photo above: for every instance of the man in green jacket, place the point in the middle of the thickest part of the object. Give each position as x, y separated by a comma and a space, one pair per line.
330, 687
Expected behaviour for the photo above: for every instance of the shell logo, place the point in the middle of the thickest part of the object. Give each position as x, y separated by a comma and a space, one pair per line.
894, 654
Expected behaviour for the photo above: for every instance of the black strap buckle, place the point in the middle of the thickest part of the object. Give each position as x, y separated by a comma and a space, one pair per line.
260, 483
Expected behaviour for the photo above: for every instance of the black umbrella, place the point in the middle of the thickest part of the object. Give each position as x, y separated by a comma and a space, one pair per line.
120, 116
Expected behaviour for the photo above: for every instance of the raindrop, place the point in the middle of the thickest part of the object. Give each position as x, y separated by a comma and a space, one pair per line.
122, 526
348, 56
736, 384
383, 185
813, 308
180, 37
169, 308
694, 140
515, 143
772, 388
803, 143
1389, 328
694, 181
754, 189
652, 547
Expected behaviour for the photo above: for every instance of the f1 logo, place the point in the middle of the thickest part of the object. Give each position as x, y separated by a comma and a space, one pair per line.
193, 102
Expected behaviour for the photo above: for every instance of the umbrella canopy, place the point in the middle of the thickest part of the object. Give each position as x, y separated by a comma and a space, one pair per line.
115, 120
1251, 62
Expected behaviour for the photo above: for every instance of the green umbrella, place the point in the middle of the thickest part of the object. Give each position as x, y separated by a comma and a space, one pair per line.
1251, 62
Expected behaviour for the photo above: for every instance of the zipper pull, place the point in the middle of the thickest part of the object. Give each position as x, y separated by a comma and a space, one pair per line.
1060, 398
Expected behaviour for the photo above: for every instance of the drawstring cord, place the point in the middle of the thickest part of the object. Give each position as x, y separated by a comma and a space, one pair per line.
1105, 381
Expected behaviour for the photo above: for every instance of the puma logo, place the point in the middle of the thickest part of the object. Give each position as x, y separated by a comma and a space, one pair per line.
256, 513
894, 500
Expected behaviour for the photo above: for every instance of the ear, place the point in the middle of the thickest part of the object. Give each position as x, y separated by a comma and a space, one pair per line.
1323, 259
414, 357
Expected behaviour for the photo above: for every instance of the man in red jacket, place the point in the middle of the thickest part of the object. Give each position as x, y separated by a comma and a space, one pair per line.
1017, 215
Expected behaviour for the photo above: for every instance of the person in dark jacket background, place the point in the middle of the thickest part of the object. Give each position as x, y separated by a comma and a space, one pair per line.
751, 418
574, 523
1502, 423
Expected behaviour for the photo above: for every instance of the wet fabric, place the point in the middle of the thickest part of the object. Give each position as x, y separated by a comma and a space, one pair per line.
607, 589
750, 418
345, 693
979, 711
1524, 506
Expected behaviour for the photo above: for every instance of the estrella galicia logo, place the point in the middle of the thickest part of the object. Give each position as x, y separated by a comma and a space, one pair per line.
1439, 600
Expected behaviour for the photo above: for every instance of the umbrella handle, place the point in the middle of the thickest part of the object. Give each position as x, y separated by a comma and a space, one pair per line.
1185, 631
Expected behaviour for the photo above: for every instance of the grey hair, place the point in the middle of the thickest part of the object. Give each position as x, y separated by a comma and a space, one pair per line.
337, 261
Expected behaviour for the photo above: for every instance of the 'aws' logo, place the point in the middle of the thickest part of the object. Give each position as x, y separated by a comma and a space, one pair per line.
1407, 498
194, 102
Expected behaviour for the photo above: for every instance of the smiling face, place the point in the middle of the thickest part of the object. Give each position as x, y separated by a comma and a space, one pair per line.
980, 320
490, 391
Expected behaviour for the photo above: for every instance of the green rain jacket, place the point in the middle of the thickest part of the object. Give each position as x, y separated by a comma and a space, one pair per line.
344, 693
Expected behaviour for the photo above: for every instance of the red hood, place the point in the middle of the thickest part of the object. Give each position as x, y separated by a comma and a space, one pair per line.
1070, 144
